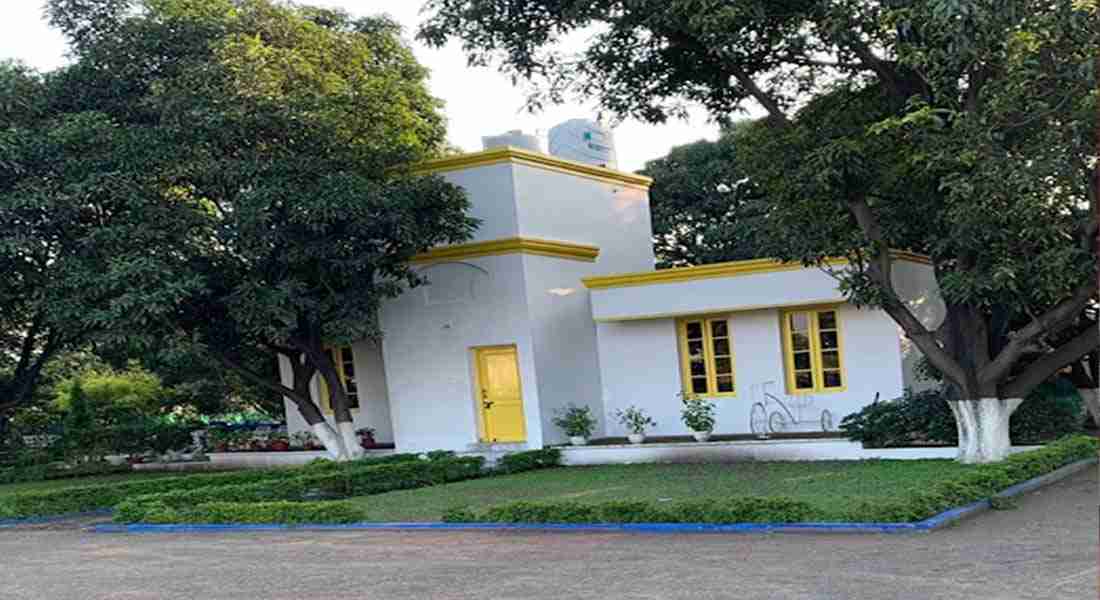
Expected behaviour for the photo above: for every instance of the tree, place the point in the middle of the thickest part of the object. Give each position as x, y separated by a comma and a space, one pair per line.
962, 130
292, 128
86, 242
704, 207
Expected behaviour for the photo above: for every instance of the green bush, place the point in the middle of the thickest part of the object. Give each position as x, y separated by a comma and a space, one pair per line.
713, 511
107, 495
529, 460
59, 471
979, 483
254, 513
360, 480
1051, 411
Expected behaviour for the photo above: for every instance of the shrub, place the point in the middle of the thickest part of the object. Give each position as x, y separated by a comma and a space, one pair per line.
714, 511
1051, 411
979, 483
530, 460
253, 513
575, 421
698, 414
635, 419
360, 480
106, 495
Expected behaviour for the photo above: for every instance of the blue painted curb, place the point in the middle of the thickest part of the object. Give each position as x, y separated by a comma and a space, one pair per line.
9, 523
927, 525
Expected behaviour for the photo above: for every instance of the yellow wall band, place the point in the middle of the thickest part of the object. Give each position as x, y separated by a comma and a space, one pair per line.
519, 156
521, 245
727, 269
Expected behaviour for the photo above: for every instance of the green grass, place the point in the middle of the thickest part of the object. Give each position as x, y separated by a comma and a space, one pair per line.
55, 484
831, 487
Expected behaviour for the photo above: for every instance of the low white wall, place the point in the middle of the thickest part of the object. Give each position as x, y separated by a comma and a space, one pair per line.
743, 451
640, 366
260, 460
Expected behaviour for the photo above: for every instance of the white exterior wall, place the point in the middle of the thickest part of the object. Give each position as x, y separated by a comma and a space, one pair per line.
576, 209
641, 366
799, 287
374, 404
491, 192
429, 364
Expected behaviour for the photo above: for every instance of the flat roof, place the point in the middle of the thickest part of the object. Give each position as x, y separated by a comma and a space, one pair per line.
520, 156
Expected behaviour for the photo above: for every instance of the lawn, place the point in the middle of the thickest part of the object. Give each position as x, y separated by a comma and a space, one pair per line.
831, 487
54, 484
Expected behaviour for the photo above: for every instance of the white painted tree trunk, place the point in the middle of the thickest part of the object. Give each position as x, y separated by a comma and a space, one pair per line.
352, 447
983, 428
1091, 396
327, 435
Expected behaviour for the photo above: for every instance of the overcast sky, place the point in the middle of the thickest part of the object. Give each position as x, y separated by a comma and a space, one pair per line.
477, 101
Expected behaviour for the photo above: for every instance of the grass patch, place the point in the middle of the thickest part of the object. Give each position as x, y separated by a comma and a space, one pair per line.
831, 489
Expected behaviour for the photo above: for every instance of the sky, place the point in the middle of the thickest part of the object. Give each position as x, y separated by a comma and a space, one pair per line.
477, 101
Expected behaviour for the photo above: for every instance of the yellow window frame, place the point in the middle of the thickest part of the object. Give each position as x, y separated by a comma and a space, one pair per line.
708, 356
325, 397
816, 366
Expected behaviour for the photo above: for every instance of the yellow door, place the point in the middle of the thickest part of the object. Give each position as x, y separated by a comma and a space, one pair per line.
500, 396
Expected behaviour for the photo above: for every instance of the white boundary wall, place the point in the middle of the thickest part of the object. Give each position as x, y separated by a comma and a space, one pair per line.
746, 451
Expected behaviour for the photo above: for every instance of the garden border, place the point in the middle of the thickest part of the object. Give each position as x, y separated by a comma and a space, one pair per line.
930, 524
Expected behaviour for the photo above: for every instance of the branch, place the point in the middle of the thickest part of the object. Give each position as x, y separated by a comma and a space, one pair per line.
1049, 364
1051, 320
260, 380
880, 269
770, 104
885, 71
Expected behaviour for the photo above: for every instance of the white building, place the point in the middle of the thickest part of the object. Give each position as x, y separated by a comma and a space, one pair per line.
556, 301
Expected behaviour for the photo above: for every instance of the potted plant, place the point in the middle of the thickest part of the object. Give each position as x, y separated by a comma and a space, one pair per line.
218, 439
366, 437
577, 422
299, 440
635, 420
698, 414
278, 442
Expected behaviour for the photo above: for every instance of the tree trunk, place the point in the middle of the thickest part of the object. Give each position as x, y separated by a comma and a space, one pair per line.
352, 446
983, 428
327, 435
1091, 396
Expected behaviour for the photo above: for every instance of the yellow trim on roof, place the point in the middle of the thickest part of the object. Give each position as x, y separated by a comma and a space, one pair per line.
522, 245
727, 269
519, 156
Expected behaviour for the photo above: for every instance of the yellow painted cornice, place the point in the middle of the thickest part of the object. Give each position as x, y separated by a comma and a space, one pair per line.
519, 156
727, 269
516, 245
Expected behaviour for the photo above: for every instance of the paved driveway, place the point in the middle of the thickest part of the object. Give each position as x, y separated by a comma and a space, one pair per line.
1044, 549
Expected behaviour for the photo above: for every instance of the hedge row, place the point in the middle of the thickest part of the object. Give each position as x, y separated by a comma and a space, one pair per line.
979, 483
46, 472
441, 467
342, 483
726, 510
106, 495
250, 513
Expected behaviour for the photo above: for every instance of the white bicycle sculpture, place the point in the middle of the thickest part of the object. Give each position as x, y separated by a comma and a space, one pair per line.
773, 415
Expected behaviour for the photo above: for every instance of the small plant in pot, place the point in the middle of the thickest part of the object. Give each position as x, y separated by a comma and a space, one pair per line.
636, 421
698, 414
299, 440
278, 442
366, 437
577, 422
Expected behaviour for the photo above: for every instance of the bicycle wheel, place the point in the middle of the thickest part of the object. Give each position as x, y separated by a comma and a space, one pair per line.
826, 420
778, 422
758, 419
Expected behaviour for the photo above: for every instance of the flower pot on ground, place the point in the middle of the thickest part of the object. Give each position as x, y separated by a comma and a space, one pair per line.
636, 421
698, 414
577, 422
366, 437
278, 442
